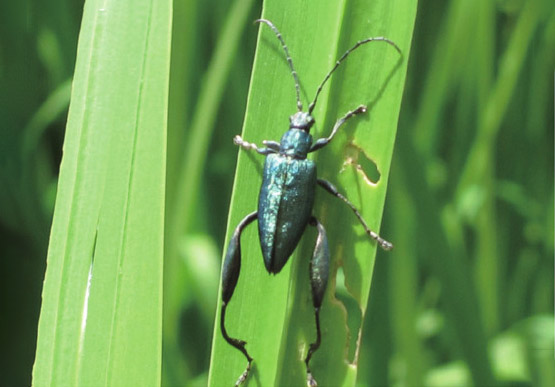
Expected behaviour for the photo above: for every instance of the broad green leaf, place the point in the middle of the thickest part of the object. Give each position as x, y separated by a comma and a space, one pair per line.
101, 315
274, 314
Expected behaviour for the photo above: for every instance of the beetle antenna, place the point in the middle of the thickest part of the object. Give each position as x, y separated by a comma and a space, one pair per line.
357, 45
289, 60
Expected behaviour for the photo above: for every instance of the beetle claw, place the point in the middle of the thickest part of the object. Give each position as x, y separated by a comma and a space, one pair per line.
244, 375
386, 245
310, 381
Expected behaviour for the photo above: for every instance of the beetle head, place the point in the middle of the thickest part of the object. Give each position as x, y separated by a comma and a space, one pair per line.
301, 120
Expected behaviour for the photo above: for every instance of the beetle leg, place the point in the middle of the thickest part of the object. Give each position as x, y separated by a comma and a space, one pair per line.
332, 190
321, 142
238, 140
274, 145
230, 275
319, 272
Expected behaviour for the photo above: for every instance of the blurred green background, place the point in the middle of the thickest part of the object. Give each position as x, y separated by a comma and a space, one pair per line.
466, 296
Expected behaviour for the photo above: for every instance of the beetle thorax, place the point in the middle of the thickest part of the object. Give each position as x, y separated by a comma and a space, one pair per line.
295, 143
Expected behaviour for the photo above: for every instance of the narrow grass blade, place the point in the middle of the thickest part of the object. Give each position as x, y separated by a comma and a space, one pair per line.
101, 315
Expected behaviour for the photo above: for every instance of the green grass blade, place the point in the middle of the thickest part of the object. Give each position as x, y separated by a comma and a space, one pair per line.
274, 314
101, 315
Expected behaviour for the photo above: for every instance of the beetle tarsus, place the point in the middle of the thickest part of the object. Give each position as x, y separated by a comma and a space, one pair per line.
238, 140
310, 381
244, 375
386, 245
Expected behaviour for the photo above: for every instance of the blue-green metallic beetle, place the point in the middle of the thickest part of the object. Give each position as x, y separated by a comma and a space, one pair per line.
285, 206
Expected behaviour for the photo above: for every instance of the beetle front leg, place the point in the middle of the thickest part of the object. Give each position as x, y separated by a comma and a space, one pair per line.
230, 275
271, 146
332, 190
321, 142
319, 273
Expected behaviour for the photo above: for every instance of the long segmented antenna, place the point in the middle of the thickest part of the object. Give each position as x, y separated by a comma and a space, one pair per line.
357, 45
289, 60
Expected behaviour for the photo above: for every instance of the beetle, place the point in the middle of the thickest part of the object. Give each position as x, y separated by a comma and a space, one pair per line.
285, 205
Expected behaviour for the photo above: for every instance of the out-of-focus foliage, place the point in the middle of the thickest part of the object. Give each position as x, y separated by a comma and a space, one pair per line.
466, 296
38, 43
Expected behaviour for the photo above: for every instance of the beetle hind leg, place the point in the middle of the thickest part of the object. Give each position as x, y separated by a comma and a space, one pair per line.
319, 273
230, 275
